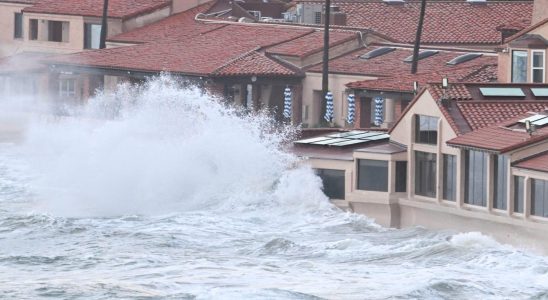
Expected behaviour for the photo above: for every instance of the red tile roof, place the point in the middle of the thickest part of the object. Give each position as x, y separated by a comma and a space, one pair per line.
537, 162
94, 8
500, 138
404, 82
312, 43
203, 54
254, 63
392, 64
481, 114
176, 27
445, 22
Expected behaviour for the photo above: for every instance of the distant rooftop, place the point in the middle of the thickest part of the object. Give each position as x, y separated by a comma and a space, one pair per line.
123, 9
445, 22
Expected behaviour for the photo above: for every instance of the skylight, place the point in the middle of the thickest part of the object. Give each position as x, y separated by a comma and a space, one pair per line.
345, 138
540, 92
377, 52
537, 120
422, 54
463, 58
502, 92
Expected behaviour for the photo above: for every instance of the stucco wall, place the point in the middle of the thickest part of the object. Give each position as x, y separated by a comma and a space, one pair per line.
337, 85
8, 44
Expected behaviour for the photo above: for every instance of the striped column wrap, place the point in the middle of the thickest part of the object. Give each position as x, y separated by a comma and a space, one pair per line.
379, 103
329, 107
287, 103
351, 108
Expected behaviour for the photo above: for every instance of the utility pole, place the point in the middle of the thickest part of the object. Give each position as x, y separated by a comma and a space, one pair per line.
104, 29
418, 39
325, 64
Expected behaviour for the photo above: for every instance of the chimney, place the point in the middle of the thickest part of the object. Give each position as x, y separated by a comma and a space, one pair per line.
337, 16
540, 11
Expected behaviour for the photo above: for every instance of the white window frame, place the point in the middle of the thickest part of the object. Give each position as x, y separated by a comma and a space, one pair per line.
64, 90
543, 68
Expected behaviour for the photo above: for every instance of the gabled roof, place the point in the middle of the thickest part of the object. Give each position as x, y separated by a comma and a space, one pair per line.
500, 138
445, 22
254, 63
466, 110
123, 9
224, 47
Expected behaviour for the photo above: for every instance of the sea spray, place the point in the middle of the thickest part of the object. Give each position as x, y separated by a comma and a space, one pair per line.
161, 148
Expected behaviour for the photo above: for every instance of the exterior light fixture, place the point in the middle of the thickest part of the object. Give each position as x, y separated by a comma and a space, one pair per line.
253, 78
445, 83
415, 87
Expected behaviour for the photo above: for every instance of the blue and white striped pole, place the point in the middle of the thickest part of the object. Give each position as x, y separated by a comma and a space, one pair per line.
351, 108
287, 103
329, 107
379, 103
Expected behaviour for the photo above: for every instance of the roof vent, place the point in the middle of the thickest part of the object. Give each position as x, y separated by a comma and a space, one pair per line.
422, 54
463, 58
377, 52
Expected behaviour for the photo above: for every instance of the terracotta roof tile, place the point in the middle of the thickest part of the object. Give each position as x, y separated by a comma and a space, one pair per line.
450, 22
502, 137
481, 114
94, 8
537, 162
254, 63
203, 54
176, 27
404, 82
311, 43
392, 64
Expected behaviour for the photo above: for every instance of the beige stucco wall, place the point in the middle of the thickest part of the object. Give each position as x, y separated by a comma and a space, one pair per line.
75, 41
540, 10
8, 44
337, 85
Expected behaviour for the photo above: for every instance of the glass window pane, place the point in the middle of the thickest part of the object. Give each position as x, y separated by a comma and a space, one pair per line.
476, 178
538, 59
519, 66
426, 130
449, 177
538, 75
333, 182
401, 176
425, 174
501, 182
373, 175
518, 194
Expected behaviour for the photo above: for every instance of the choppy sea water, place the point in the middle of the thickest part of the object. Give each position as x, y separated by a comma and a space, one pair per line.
168, 201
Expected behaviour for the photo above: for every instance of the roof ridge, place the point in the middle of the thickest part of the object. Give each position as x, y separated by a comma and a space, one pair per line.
239, 57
